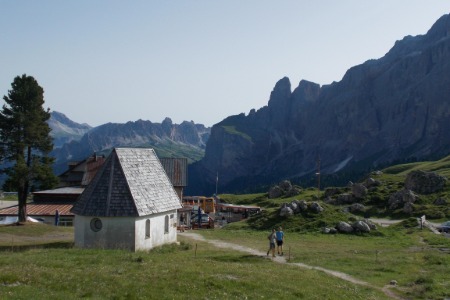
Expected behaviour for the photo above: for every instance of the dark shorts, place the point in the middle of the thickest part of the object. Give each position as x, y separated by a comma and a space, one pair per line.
272, 245
279, 243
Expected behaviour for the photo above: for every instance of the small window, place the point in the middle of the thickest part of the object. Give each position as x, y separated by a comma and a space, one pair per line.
166, 224
147, 229
96, 224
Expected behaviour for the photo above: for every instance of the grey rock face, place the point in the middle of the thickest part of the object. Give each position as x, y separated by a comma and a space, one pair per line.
378, 109
425, 182
359, 190
315, 207
357, 207
275, 192
361, 226
344, 227
286, 212
345, 199
400, 198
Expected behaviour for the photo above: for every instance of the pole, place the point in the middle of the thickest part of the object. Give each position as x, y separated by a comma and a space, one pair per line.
318, 177
217, 181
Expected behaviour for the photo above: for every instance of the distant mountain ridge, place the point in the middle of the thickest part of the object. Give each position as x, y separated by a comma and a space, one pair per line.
65, 130
396, 108
169, 140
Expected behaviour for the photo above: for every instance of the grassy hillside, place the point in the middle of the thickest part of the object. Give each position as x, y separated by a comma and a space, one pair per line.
186, 271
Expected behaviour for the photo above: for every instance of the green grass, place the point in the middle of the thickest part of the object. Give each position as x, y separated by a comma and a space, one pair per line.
411, 256
186, 271
233, 130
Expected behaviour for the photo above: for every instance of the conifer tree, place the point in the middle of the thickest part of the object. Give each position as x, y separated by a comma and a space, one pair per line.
25, 140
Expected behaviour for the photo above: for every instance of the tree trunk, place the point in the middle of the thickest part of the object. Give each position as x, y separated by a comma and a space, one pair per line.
22, 212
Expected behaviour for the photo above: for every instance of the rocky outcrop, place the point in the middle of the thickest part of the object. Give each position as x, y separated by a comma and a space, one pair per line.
391, 109
401, 199
284, 189
296, 207
425, 182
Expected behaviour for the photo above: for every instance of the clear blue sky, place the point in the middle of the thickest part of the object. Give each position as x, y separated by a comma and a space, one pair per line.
200, 60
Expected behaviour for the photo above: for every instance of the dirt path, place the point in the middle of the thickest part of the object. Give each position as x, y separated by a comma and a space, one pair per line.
281, 259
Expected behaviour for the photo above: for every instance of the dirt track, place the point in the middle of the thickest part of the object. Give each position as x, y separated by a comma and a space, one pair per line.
281, 259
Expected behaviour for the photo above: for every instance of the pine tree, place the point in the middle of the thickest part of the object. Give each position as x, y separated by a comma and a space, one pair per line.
25, 140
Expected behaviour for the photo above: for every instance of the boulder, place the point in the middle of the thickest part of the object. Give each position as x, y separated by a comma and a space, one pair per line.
359, 191
285, 185
331, 192
294, 206
356, 207
286, 212
361, 226
408, 208
275, 192
370, 182
371, 224
293, 191
345, 199
302, 205
399, 198
315, 207
344, 227
425, 182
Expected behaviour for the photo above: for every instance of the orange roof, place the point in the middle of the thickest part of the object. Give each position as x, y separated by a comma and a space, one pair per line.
34, 209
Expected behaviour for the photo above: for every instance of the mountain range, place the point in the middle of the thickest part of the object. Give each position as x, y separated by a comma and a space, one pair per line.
392, 109
384, 111
75, 142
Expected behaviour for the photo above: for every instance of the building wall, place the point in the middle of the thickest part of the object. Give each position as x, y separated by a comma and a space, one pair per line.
115, 233
158, 236
126, 232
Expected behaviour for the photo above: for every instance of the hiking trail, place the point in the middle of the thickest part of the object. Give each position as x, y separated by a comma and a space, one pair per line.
282, 260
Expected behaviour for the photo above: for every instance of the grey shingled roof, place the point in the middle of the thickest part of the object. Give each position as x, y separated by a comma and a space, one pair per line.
176, 169
131, 183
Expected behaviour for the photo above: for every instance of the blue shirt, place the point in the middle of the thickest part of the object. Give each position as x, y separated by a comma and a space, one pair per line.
280, 235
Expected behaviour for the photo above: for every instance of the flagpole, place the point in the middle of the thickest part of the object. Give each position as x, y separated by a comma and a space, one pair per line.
217, 181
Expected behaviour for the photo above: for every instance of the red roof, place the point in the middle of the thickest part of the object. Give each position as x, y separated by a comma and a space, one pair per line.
34, 209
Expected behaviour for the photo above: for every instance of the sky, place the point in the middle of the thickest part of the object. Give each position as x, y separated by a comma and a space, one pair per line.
199, 60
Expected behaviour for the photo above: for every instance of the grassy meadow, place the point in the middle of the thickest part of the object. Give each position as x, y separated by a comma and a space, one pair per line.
185, 271
53, 269
39, 261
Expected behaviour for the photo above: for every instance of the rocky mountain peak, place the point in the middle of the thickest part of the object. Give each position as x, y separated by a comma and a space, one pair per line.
281, 91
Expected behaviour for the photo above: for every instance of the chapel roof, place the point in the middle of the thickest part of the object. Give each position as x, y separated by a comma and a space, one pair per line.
131, 183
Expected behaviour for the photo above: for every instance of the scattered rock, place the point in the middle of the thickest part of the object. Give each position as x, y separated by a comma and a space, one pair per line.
361, 226
344, 227
371, 224
275, 192
286, 212
370, 182
315, 207
425, 182
345, 199
393, 282
359, 191
400, 198
356, 207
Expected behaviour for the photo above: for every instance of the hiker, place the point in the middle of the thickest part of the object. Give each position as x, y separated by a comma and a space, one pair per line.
280, 240
272, 240
182, 222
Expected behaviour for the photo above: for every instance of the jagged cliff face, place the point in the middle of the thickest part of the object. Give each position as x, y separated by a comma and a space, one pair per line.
390, 109
169, 140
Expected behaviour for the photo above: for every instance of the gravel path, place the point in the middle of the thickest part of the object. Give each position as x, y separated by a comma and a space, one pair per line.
282, 260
